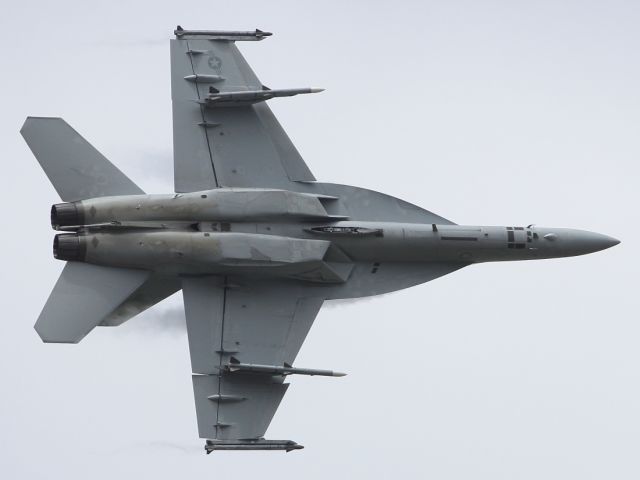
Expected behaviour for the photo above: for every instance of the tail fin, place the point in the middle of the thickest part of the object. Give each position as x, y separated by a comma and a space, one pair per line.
82, 298
75, 168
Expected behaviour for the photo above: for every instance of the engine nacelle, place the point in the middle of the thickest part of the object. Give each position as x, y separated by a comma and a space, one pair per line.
202, 253
221, 204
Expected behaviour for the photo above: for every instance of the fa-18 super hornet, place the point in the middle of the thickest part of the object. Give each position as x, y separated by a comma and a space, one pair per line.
254, 242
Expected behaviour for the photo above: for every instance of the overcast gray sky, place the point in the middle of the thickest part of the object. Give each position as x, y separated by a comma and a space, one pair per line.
485, 112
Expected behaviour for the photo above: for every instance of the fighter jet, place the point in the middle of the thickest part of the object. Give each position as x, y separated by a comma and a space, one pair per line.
253, 240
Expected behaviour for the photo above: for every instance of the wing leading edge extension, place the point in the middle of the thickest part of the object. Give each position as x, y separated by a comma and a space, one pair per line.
233, 331
224, 134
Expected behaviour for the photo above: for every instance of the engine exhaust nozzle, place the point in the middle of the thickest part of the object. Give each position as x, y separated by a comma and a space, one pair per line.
69, 247
66, 215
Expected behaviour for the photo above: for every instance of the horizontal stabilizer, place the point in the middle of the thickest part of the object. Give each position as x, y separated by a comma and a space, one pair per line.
154, 290
83, 296
75, 168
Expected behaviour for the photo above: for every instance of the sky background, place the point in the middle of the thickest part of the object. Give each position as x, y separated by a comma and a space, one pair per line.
485, 112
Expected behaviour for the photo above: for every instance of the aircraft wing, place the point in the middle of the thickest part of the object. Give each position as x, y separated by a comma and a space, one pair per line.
242, 338
224, 134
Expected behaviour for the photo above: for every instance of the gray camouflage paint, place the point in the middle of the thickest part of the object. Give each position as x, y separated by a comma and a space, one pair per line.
276, 242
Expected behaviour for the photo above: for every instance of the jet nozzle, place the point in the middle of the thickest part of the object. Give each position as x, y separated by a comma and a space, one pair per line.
66, 215
69, 247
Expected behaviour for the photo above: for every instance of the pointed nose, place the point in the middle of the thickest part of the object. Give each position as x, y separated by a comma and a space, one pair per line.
583, 242
568, 242
596, 242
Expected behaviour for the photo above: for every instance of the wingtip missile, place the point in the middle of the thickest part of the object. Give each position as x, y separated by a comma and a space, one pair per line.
260, 444
231, 35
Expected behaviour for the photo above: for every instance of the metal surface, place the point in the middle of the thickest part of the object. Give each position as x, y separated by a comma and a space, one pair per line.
253, 240
286, 445
83, 296
231, 35
235, 365
75, 168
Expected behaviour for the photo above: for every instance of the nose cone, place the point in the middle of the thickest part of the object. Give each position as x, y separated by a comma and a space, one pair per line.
589, 242
567, 242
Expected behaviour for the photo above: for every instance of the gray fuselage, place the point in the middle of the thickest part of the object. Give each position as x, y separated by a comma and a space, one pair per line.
284, 234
